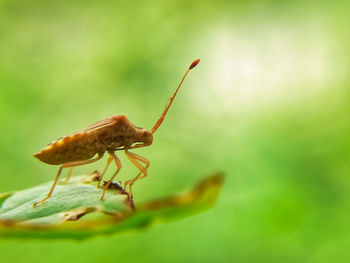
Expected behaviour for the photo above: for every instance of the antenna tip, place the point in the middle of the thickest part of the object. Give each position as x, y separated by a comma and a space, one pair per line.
194, 63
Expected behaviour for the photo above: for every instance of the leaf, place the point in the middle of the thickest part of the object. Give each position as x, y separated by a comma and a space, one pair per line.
75, 210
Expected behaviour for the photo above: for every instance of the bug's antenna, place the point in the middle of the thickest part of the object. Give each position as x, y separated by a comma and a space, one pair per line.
159, 122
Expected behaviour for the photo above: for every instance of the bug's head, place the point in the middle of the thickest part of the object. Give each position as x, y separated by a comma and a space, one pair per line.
145, 136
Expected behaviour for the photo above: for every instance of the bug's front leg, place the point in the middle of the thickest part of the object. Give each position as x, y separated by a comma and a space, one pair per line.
136, 159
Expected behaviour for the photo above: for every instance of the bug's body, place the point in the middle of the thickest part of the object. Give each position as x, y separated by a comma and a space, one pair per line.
109, 135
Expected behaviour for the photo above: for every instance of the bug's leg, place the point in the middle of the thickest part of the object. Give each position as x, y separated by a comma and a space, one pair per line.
136, 159
65, 165
119, 166
109, 160
52, 187
68, 176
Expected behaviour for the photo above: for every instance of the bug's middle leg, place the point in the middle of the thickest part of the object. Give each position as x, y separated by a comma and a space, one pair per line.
136, 159
119, 166
109, 160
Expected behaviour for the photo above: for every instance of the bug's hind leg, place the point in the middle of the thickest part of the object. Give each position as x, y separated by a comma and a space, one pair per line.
68, 176
52, 188
136, 159
65, 165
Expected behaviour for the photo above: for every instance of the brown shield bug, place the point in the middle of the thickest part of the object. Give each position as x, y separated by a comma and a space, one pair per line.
112, 134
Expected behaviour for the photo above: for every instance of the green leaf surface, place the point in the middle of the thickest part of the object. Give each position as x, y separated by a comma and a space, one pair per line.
75, 210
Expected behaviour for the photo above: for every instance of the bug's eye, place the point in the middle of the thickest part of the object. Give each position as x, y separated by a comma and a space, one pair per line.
144, 133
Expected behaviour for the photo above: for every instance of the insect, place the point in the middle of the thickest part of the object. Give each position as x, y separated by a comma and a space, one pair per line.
112, 134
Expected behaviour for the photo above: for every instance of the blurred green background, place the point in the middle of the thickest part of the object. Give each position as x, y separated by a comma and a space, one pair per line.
268, 105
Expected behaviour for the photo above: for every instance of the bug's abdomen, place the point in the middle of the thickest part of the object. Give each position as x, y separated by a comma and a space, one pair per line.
77, 147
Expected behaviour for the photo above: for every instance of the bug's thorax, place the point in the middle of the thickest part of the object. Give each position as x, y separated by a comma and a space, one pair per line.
123, 133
